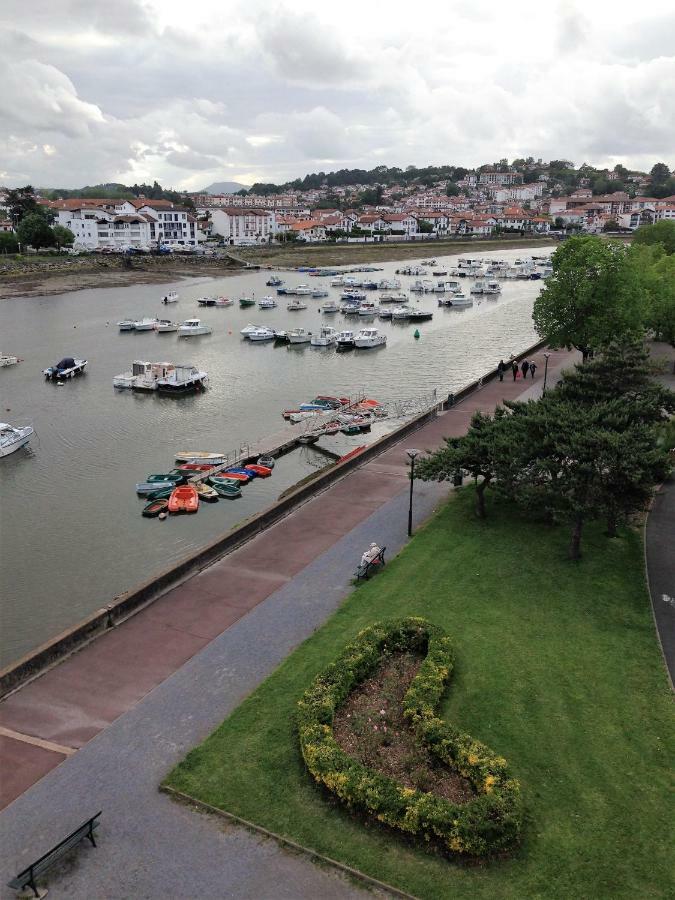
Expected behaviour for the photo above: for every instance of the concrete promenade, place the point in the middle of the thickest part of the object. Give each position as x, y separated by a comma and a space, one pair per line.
100, 730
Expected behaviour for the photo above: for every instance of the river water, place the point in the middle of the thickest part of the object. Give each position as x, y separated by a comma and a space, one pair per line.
72, 537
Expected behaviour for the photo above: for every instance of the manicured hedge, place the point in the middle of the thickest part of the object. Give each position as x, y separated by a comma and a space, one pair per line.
488, 824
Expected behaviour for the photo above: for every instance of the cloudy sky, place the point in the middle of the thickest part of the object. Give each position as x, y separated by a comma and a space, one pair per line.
258, 90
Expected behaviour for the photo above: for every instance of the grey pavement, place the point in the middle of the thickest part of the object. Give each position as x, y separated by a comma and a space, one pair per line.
660, 550
148, 845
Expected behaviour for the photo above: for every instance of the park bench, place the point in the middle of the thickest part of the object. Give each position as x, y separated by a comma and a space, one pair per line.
34, 870
374, 564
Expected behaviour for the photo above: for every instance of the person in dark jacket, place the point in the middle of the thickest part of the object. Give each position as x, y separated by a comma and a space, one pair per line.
501, 368
525, 366
514, 369
533, 366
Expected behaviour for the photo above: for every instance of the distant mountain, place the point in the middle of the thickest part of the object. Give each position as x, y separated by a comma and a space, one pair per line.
225, 187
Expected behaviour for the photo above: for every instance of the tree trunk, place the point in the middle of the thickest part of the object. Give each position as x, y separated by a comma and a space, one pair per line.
611, 525
575, 545
480, 498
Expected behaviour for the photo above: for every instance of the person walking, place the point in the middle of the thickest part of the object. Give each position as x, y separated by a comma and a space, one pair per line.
514, 369
525, 366
501, 369
533, 366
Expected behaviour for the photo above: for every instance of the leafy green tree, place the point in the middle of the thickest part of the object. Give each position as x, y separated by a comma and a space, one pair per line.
21, 202
659, 173
451, 189
8, 242
611, 225
63, 237
661, 311
591, 297
33, 231
662, 232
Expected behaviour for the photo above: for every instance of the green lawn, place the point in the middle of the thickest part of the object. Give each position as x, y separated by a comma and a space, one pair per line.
558, 669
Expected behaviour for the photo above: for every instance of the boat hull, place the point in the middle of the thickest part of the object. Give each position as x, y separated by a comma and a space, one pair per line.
183, 499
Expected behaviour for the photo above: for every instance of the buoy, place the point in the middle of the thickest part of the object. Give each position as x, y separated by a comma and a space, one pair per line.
162, 515
417, 334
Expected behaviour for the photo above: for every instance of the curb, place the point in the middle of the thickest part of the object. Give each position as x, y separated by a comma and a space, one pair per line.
285, 842
649, 590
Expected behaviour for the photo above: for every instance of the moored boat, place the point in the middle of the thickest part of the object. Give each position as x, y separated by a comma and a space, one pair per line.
182, 380
147, 323
184, 499
247, 329
261, 334
237, 475
191, 327
144, 488
368, 338
13, 438
6, 360
171, 297
274, 281
227, 489
296, 305
199, 456
127, 325
325, 337
267, 303
420, 315
298, 336
165, 326
266, 461
206, 492
155, 507
330, 307
68, 367
345, 340
160, 478
247, 301
261, 471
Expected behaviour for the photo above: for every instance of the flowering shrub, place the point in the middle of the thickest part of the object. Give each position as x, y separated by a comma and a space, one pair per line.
489, 823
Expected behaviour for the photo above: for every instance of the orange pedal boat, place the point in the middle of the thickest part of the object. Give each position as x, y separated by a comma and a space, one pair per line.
184, 499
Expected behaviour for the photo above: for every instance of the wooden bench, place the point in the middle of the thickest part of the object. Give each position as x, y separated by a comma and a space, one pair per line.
34, 870
374, 564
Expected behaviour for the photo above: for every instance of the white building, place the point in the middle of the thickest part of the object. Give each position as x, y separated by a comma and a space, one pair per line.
242, 225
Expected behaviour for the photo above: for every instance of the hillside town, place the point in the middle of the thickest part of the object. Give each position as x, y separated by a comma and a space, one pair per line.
527, 197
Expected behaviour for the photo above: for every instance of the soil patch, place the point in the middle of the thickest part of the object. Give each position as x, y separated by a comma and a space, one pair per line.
371, 728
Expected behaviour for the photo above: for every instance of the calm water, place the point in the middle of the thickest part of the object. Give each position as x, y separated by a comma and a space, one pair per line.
70, 525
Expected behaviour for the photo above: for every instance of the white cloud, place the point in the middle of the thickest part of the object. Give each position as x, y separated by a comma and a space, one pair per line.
235, 90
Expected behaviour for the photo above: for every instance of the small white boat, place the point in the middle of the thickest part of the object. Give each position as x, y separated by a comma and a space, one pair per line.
171, 297
296, 305
367, 309
200, 456
126, 380
247, 329
318, 293
192, 327
400, 314
8, 360
389, 284
148, 381
182, 380
303, 290
298, 336
164, 326
261, 334
393, 298
477, 287
222, 302
330, 307
68, 367
337, 281
147, 323
461, 300
492, 287
369, 337
12, 438
345, 340
385, 312
267, 303
206, 301
127, 325
326, 337
352, 294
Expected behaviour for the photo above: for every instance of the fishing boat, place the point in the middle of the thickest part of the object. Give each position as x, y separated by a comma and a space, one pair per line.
477, 287
385, 312
184, 499
326, 337
247, 329
459, 300
147, 323
420, 315
274, 281
445, 301
368, 338
182, 380
261, 334
206, 301
440, 272
227, 489
389, 284
369, 285
267, 461
260, 471
303, 290
318, 293
267, 303
200, 456
206, 492
247, 301
222, 302
393, 298
171, 297
337, 281
345, 341
164, 326
127, 325
401, 314
126, 380
296, 305
353, 295
154, 508
330, 307
12, 438
367, 309
68, 367
299, 336
492, 287
280, 337
8, 360
193, 327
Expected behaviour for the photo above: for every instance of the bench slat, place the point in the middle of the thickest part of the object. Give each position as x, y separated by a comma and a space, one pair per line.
28, 876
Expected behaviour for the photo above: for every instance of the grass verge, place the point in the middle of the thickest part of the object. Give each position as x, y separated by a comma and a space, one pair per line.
557, 669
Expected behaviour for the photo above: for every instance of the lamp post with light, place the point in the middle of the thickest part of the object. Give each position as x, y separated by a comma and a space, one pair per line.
411, 454
546, 356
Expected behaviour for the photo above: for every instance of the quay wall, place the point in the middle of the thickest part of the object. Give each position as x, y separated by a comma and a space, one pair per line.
122, 607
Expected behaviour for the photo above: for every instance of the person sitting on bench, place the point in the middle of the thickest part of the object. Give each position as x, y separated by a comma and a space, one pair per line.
371, 554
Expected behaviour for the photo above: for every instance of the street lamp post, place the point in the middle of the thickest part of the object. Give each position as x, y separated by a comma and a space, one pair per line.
412, 454
546, 356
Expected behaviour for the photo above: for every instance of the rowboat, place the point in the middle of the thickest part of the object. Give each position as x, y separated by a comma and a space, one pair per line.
223, 479
267, 461
144, 488
193, 468
184, 499
261, 471
163, 493
226, 489
239, 475
173, 477
206, 492
199, 456
154, 508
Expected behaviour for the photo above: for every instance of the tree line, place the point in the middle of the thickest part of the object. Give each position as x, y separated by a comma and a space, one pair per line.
33, 224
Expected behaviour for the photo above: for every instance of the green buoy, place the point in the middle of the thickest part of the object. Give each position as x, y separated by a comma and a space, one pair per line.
417, 334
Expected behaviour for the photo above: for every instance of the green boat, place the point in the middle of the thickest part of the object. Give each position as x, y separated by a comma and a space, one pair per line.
154, 508
161, 493
246, 301
176, 477
226, 489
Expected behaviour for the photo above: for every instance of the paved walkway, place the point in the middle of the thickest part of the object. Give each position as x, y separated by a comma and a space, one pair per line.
134, 701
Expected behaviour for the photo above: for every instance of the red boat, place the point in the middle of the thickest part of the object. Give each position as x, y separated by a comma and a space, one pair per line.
194, 467
261, 471
184, 499
235, 476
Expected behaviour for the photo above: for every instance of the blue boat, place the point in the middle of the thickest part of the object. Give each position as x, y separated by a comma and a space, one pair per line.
149, 487
240, 472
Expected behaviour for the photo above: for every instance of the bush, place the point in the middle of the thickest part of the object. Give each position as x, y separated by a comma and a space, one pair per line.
490, 823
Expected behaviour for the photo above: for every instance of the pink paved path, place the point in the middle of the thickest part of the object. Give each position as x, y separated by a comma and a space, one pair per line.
50, 718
